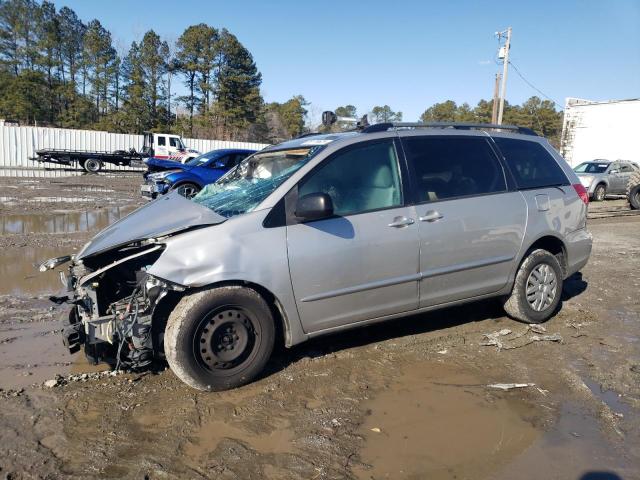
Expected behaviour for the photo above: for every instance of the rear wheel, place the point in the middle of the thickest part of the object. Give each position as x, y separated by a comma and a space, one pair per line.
219, 339
537, 288
187, 190
599, 193
92, 165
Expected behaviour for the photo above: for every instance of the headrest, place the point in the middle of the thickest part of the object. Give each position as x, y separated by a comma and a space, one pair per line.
382, 178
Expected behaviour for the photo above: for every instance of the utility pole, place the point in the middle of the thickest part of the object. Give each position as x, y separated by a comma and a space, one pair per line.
505, 65
496, 95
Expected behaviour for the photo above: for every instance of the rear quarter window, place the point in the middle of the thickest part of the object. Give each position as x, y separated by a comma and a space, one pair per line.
531, 164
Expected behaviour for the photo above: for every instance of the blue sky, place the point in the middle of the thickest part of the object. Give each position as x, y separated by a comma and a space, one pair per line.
407, 54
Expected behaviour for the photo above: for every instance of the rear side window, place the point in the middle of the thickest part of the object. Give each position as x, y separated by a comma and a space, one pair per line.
452, 167
161, 141
531, 164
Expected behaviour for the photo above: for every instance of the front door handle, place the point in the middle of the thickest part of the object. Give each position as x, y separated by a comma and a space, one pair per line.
431, 216
399, 222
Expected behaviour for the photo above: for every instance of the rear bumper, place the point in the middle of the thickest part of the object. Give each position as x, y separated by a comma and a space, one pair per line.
579, 245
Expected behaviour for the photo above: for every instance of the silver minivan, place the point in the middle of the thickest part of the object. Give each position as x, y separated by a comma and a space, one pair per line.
324, 233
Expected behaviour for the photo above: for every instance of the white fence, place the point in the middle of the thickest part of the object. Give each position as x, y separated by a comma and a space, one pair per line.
18, 144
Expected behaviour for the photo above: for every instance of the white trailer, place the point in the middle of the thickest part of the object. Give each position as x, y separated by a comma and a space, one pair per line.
601, 130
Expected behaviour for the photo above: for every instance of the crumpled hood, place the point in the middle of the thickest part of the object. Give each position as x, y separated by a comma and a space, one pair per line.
168, 214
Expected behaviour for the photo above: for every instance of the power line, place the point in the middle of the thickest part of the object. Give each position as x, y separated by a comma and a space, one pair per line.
534, 87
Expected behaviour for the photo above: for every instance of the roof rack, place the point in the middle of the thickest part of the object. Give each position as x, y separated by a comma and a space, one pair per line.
309, 134
383, 127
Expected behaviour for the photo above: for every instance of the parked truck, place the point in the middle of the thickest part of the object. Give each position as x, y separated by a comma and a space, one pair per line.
160, 145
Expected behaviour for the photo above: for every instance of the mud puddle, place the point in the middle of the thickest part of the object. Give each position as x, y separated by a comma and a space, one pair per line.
19, 273
576, 447
31, 352
209, 436
62, 222
424, 428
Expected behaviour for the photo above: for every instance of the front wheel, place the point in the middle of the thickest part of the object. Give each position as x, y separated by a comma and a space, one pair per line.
537, 288
220, 338
599, 193
187, 190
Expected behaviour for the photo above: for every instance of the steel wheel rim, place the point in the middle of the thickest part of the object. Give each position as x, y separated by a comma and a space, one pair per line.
542, 287
187, 191
225, 339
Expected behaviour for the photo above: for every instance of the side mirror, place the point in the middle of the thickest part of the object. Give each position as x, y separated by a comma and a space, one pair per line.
614, 171
314, 206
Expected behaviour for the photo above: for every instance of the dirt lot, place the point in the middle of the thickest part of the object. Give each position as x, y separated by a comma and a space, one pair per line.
409, 399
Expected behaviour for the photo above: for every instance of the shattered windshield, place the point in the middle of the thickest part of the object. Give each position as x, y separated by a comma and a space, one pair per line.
244, 187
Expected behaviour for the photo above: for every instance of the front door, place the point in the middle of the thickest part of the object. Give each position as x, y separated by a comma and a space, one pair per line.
363, 262
161, 150
471, 228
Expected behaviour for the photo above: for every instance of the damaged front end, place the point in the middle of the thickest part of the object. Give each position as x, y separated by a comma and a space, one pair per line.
114, 301
119, 310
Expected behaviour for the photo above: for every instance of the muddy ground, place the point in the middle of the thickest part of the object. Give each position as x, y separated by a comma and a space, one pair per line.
409, 399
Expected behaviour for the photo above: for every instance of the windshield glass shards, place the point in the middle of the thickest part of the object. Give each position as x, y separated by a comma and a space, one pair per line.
244, 187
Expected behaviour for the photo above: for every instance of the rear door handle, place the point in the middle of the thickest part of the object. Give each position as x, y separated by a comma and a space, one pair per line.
399, 222
431, 216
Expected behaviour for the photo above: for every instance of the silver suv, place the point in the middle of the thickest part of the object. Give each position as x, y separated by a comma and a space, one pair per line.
324, 233
604, 177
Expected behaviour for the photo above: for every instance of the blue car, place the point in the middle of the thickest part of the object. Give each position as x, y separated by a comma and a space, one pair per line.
190, 177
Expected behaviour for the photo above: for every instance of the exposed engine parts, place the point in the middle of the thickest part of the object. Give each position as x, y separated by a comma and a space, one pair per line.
113, 307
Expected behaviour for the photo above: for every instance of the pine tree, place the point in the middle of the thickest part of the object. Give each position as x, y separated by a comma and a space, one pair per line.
153, 62
238, 99
135, 112
100, 57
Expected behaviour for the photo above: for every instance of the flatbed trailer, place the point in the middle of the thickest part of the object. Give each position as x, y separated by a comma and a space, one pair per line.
90, 161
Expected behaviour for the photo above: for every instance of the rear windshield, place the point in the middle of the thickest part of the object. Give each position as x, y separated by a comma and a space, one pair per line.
530, 163
590, 167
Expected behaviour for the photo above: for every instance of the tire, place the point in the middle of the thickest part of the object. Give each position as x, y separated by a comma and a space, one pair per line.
206, 327
633, 191
187, 189
599, 193
92, 165
544, 298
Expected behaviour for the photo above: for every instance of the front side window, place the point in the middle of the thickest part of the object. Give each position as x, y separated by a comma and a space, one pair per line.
626, 168
360, 179
453, 167
246, 186
531, 164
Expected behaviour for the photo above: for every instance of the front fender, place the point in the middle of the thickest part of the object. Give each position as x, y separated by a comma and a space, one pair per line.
239, 250
184, 177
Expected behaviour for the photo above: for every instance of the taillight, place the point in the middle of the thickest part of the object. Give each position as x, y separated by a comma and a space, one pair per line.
582, 192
